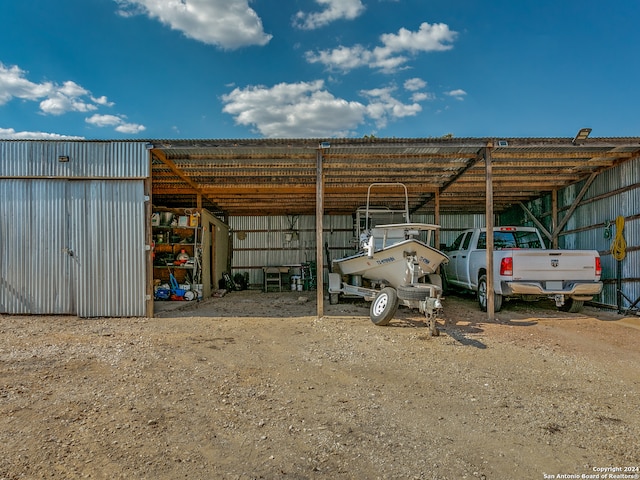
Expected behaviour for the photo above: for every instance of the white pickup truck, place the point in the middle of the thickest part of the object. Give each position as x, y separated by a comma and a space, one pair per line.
523, 268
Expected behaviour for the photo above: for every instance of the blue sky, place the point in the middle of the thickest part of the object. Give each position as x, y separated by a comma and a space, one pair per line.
183, 69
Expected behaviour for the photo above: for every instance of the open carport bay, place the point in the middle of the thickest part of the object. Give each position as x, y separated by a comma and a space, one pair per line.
253, 385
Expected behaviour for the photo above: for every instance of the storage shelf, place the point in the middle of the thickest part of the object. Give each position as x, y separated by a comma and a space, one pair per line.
177, 267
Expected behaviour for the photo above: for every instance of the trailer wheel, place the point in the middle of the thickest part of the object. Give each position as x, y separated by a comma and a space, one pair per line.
482, 296
571, 305
413, 292
384, 306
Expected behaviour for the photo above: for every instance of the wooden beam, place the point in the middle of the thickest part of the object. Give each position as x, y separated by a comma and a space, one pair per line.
537, 222
319, 231
159, 154
572, 155
491, 314
554, 218
575, 203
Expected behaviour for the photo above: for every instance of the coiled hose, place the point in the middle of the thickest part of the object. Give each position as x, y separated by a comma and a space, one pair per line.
619, 245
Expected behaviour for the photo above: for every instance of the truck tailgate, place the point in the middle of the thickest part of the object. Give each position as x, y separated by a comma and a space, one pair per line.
554, 265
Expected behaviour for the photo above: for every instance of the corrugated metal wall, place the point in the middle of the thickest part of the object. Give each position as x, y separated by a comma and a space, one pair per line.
615, 192
73, 245
94, 159
262, 241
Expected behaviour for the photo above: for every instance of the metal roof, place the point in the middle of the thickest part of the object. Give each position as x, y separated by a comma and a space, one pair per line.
277, 177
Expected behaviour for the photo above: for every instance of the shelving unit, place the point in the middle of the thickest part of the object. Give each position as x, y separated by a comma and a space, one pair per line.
169, 242
203, 237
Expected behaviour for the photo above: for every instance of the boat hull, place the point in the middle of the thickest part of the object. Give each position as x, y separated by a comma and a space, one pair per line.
396, 265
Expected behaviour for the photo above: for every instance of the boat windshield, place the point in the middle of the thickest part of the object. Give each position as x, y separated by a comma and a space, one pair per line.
378, 216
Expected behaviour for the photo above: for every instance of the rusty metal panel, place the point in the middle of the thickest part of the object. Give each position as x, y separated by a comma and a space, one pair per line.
74, 159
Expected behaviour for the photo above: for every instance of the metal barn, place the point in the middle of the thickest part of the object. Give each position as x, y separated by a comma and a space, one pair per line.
75, 216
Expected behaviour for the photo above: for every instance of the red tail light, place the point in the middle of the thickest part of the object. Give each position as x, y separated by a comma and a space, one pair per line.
598, 267
506, 266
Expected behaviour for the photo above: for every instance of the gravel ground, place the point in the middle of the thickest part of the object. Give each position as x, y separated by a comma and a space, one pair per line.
252, 385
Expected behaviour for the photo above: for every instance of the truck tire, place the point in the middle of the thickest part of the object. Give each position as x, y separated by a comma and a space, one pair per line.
571, 305
413, 292
446, 288
384, 306
482, 296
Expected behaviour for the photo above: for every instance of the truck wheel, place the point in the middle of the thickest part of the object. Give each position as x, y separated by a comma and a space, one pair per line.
384, 306
446, 288
571, 305
482, 296
413, 292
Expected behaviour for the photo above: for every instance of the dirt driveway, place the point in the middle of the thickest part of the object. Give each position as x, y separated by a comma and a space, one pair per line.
252, 385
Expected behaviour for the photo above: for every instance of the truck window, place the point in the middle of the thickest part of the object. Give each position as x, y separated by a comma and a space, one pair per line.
518, 239
482, 241
503, 240
527, 240
456, 243
467, 241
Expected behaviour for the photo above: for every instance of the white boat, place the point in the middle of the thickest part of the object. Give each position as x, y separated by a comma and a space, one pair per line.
394, 256
397, 261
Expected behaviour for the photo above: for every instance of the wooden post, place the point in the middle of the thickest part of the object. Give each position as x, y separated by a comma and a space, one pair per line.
436, 219
554, 218
491, 314
319, 231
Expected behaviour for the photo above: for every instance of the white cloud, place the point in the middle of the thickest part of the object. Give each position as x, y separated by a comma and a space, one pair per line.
457, 94
421, 97
334, 10
307, 109
302, 109
226, 23
391, 55
383, 106
11, 134
102, 101
414, 84
117, 121
56, 99
13, 84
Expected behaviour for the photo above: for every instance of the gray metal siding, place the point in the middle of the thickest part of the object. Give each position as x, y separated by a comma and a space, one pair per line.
34, 271
72, 247
599, 208
264, 240
73, 233
107, 236
87, 159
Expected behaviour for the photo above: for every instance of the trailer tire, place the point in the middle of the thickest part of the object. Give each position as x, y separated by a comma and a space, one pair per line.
572, 306
384, 306
414, 292
482, 296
